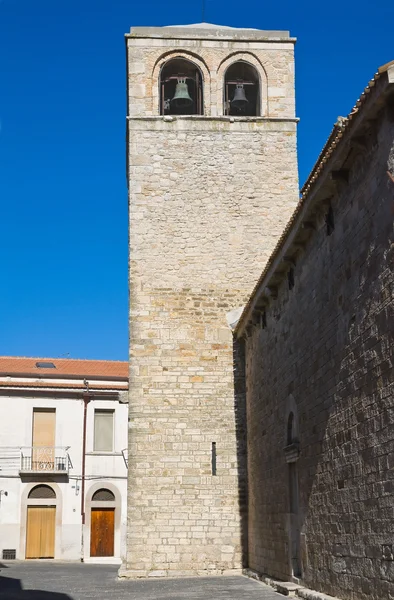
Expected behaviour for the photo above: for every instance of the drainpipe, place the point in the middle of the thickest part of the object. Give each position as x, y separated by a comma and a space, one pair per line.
86, 400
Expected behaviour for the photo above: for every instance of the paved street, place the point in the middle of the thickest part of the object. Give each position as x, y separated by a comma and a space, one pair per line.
60, 581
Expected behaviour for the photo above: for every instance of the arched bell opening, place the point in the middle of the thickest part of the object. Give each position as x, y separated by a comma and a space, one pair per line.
181, 88
241, 90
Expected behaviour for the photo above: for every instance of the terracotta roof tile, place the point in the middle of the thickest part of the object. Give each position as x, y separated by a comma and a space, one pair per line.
66, 367
55, 384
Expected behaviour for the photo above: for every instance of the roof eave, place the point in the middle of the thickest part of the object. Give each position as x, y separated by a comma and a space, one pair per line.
210, 33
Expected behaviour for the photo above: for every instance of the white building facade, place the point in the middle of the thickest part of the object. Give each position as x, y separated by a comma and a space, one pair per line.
63, 463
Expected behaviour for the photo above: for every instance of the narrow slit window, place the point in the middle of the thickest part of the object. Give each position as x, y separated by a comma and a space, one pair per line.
330, 224
213, 458
290, 278
290, 428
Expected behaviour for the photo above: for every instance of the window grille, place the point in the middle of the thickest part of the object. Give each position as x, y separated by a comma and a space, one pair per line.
42, 491
103, 495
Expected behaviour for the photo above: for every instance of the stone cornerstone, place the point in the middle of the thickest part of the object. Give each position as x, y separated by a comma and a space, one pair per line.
209, 197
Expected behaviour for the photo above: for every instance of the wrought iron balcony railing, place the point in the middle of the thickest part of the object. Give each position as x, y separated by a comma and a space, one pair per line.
45, 459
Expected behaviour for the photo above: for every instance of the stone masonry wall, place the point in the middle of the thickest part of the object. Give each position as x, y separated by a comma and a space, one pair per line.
208, 202
328, 349
209, 197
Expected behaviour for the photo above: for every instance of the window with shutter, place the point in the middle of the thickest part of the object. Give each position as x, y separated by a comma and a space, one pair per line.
103, 431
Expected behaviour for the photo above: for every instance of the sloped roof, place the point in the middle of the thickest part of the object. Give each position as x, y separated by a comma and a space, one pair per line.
65, 367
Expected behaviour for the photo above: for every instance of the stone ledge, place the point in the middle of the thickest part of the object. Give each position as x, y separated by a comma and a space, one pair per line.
169, 573
287, 588
212, 125
208, 118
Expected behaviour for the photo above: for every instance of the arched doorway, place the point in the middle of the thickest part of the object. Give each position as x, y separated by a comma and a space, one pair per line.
102, 523
41, 522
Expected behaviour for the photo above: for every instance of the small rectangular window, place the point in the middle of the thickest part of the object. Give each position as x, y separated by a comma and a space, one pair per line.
103, 431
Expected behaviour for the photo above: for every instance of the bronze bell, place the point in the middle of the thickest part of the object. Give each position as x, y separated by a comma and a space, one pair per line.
239, 99
181, 97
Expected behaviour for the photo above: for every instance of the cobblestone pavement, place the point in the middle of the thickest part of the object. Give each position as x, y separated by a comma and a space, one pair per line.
33, 580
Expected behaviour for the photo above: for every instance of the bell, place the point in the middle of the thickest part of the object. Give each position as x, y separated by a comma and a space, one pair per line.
239, 99
181, 97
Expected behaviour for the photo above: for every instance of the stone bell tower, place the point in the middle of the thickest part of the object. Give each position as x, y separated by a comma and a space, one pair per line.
212, 174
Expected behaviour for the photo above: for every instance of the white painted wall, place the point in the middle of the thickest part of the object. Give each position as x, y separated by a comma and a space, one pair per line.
102, 470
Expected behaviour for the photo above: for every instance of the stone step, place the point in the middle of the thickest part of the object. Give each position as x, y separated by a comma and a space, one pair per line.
288, 588
312, 595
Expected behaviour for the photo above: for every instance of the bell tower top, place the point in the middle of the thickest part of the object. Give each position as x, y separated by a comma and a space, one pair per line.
214, 71
208, 31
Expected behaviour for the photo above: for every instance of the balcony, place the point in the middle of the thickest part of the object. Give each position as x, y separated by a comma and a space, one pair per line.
45, 460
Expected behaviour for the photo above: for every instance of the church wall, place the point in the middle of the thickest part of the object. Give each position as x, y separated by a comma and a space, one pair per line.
326, 355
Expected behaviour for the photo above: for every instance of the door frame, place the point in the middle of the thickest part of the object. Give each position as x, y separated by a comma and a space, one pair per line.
42, 506
26, 501
117, 505
104, 509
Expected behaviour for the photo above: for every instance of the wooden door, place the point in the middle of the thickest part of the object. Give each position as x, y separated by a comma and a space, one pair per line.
102, 532
40, 535
44, 421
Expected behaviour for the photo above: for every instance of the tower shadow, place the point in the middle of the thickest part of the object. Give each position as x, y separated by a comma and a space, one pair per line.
241, 441
11, 589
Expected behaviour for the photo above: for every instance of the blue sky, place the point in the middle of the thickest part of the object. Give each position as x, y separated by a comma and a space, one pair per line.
63, 220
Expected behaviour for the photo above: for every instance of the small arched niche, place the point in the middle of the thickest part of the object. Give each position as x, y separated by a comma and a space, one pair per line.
241, 90
181, 88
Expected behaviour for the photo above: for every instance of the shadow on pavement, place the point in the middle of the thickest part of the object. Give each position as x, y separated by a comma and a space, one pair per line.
11, 589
